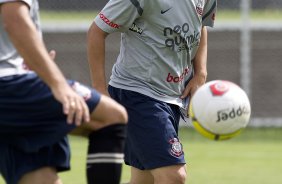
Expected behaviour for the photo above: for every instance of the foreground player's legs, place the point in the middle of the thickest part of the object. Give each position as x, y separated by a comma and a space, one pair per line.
105, 155
106, 144
40, 176
175, 174
141, 176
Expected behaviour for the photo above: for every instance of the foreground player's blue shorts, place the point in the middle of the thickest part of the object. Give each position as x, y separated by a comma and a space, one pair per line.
33, 127
152, 135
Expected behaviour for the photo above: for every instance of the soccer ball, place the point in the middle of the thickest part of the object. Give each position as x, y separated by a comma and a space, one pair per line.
220, 110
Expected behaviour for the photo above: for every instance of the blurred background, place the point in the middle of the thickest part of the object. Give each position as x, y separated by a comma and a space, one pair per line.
245, 47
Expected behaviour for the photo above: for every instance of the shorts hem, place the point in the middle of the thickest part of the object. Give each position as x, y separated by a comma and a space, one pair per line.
155, 166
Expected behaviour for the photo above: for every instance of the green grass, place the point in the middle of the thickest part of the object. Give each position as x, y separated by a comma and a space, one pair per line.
255, 156
222, 15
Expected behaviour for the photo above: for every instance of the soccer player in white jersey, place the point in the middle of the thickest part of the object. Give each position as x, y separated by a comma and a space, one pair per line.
162, 62
38, 107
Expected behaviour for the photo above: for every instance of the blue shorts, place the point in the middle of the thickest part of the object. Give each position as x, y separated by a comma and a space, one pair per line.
152, 135
33, 128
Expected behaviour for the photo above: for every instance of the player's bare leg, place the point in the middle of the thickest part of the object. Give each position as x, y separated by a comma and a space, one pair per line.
175, 174
141, 176
107, 112
45, 175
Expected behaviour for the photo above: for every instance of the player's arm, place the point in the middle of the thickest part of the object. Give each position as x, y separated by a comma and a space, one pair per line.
96, 57
28, 42
200, 61
26, 39
200, 66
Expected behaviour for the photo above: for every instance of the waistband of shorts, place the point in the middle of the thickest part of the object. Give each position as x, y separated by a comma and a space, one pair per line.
13, 71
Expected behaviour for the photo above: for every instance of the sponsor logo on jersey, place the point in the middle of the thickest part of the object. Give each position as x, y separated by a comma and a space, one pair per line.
107, 21
177, 79
176, 147
136, 29
200, 7
166, 10
180, 38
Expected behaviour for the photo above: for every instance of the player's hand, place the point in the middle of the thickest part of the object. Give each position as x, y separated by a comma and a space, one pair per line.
196, 82
74, 105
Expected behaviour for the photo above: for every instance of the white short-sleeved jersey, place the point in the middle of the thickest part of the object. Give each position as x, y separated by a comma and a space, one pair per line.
158, 42
11, 63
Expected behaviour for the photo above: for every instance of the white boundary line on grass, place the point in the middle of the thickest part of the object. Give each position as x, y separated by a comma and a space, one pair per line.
65, 27
255, 26
266, 122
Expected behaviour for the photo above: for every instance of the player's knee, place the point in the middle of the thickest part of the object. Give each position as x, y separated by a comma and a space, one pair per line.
108, 112
119, 115
181, 177
123, 117
176, 178
175, 174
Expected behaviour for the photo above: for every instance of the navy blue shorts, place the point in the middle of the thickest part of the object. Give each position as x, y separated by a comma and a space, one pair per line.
33, 128
152, 135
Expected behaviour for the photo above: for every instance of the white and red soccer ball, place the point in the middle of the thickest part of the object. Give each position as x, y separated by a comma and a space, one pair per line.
220, 110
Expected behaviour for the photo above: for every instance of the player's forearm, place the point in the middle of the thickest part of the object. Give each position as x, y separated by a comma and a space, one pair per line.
200, 60
96, 57
29, 44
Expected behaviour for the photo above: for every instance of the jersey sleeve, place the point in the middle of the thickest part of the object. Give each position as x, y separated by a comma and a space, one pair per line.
209, 13
118, 15
28, 2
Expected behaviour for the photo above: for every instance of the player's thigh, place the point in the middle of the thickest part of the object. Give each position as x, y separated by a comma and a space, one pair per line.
109, 111
175, 174
106, 112
141, 176
40, 176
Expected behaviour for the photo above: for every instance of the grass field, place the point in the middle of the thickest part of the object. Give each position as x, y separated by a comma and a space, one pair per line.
254, 157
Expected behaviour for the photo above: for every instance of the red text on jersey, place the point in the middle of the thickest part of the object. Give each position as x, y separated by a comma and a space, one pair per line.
107, 21
176, 79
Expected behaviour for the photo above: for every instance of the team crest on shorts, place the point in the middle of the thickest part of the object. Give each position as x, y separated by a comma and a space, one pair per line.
83, 91
176, 147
